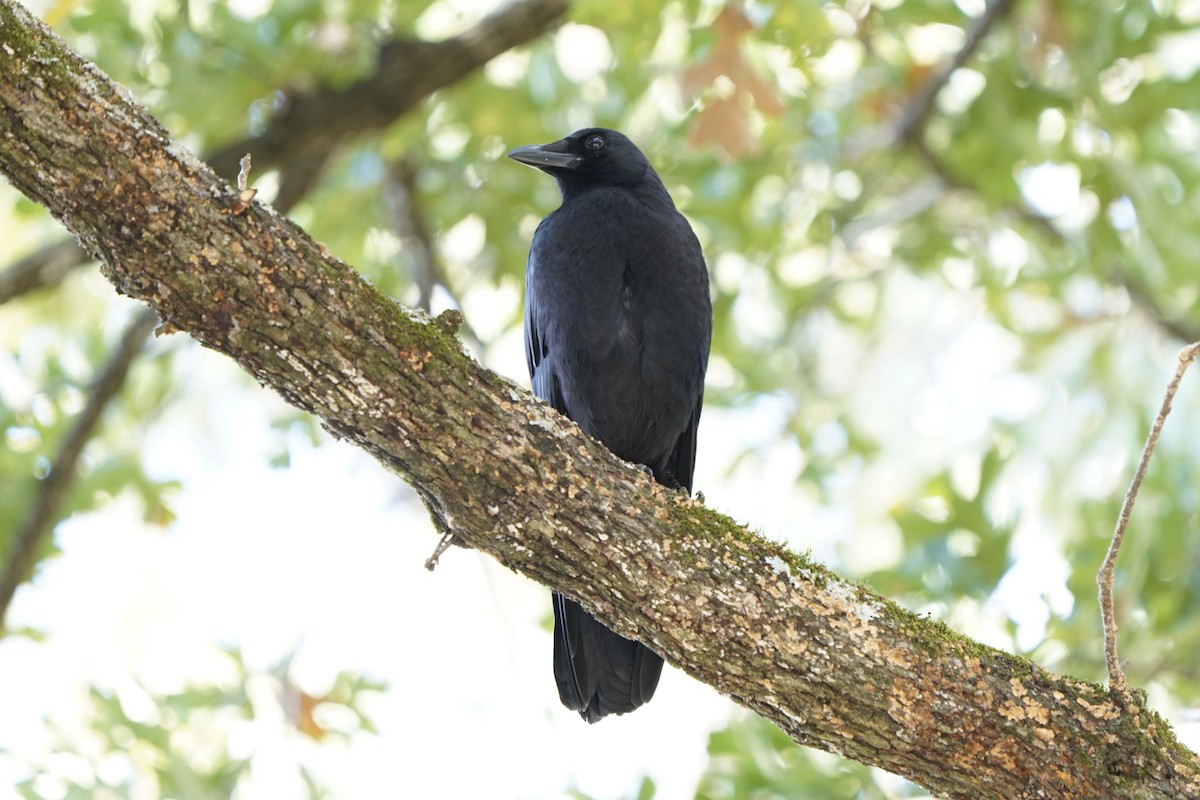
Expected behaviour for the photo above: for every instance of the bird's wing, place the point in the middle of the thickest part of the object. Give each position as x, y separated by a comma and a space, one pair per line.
537, 348
599, 672
682, 461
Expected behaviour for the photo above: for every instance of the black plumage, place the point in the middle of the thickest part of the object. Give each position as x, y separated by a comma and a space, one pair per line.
618, 323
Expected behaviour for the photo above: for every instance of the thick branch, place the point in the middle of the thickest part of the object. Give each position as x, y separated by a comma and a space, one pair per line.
302, 137
832, 664
407, 71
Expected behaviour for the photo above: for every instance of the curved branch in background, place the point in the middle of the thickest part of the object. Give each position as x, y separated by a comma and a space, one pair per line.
407, 71
951, 180
909, 129
298, 176
910, 125
51, 491
45, 267
833, 664
410, 224
1140, 297
300, 139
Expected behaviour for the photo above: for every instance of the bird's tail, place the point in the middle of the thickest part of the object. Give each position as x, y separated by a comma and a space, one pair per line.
599, 672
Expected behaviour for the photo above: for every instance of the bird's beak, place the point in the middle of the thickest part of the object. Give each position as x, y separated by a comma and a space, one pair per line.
546, 156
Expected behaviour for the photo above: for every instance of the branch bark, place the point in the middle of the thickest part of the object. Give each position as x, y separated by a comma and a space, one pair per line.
833, 664
1108, 614
312, 124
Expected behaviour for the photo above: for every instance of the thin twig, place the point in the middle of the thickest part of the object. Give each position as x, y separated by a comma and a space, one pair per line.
441, 521
910, 125
52, 490
245, 193
1141, 297
443, 545
411, 225
1116, 676
951, 180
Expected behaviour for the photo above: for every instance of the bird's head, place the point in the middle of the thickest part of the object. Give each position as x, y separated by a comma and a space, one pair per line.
592, 156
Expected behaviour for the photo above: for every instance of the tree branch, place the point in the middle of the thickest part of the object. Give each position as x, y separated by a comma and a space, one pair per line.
300, 140
409, 223
51, 491
1140, 296
407, 71
303, 136
910, 125
1116, 675
834, 665
45, 267
909, 129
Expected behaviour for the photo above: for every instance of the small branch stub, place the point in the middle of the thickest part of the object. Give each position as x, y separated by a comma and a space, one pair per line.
1116, 676
245, 194
442, 546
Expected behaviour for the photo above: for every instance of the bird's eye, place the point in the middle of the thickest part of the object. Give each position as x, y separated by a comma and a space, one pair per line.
594, 143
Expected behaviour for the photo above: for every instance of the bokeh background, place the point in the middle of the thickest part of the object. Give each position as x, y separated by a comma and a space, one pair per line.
953, 259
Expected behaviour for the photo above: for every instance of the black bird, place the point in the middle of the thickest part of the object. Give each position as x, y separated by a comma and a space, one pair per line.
618, 323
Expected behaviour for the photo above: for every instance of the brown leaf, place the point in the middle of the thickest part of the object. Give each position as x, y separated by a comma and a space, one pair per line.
299, 706
735, 90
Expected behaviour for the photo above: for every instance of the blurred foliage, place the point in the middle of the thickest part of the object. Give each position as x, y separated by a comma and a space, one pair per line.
964, 335
196, 743
753, 760
645, 791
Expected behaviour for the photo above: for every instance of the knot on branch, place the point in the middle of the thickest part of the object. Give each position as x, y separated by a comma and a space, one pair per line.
449, 321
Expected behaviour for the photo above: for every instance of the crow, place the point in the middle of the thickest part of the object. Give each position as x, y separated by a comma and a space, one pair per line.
618, 322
